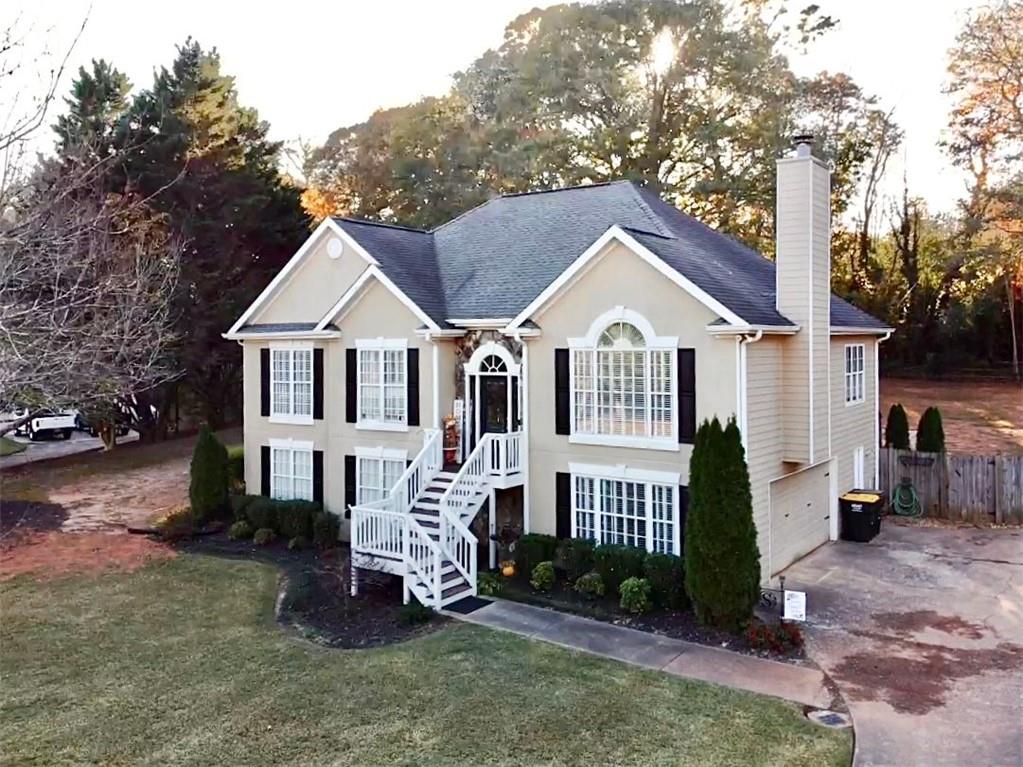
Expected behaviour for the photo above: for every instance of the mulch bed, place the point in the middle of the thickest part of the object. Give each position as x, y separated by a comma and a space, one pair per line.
677, 625
315, 597
19, 519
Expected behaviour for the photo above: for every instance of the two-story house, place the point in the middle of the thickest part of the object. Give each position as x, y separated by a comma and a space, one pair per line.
579, 336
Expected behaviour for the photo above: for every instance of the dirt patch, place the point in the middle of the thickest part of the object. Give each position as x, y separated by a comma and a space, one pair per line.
914, 677
980, 418
315, 596
907, 624
20, 519
53, 554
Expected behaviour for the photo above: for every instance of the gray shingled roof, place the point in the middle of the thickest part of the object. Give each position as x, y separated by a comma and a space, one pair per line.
492, 261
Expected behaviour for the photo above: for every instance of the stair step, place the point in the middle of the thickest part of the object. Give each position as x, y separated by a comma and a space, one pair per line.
459, 588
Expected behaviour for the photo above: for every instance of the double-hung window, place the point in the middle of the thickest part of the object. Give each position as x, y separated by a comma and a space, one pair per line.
291, 471
377, 472
291, 384
624, 388
855, 390
632, 508
382, 382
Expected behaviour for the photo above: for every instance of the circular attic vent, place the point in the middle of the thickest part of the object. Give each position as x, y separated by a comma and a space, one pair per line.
335, 248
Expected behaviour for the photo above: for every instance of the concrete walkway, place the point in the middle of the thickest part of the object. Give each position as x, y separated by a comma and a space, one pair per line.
672, 656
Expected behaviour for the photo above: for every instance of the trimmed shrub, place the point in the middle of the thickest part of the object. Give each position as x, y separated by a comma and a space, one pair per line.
635, 595
325, 529
532, 549
488, 584
236, 467
207, 489
415, 613
667, 577
575, 556
590, 585
778, 638
264, 536
616, 563
722, 562
240, 530
896, 428
262, 512
295, 518
543, 577
240, 503
298, 543
930, 434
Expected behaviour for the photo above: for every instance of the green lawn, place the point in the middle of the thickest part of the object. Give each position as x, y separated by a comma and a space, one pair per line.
181, 663
9, 447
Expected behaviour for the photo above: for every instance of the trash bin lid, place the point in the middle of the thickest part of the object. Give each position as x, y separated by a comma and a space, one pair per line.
862, 497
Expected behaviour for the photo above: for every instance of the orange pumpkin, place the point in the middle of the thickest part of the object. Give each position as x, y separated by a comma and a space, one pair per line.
507, 569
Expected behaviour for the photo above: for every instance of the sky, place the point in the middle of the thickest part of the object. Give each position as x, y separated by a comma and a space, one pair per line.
311, 67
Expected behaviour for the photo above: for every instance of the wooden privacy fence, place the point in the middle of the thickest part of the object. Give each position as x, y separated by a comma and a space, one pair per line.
977, 488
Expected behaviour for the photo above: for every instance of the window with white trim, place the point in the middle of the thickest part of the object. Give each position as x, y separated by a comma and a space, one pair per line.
639, 513
382, 384
623, 387
855, 375
291, 473
376, 476
291, 383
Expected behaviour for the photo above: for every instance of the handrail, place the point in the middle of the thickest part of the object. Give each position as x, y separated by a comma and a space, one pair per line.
378, 531
418, 474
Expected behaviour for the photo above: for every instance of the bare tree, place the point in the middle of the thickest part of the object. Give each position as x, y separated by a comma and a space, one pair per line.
86, 281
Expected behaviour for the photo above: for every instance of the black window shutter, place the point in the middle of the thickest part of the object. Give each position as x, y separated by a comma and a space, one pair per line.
264, 471
351, 385
318, 476
318, 384
412, 385
562, 392
264, 382
349, 485
516, 418
683, 511
563, 505
686, 395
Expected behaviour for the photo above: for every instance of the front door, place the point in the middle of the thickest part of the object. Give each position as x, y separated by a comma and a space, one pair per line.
493, 404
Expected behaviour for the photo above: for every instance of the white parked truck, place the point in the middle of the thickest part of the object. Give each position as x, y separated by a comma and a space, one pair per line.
48, 423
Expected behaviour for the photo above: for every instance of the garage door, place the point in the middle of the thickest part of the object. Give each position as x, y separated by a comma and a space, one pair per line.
800, 514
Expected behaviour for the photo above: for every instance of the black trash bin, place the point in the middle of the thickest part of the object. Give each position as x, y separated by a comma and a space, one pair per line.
860, 515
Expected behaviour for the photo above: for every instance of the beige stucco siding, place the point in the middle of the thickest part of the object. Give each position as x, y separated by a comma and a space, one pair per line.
314, 286
620, 278
854, 425
378, 314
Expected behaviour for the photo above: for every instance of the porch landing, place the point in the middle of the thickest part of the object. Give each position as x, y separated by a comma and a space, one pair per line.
800, 684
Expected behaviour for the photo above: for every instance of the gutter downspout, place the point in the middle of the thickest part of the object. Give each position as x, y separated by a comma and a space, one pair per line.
524, 415
877, 404
743, 394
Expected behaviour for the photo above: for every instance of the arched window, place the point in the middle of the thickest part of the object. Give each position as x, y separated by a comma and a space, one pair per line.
623, 380
493, 364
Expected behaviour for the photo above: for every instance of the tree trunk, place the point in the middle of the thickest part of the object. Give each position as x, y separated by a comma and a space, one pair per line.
108, 433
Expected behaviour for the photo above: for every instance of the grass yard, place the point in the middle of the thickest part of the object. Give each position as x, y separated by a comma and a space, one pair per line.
9, 447
181, 663
979, 417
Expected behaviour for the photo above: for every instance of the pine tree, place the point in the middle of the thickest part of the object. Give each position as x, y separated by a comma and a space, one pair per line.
96, 107
896, 429
930, 434
722, 559
208, 488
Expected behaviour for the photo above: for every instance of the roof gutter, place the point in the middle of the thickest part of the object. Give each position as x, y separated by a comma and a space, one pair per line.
282, 334
758, 330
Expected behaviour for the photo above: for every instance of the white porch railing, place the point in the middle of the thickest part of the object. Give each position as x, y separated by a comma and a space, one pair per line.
378, 530
505, 454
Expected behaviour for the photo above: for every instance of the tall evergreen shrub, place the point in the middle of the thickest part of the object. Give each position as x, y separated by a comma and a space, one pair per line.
896, 429
207, 489
722, 560
930, 434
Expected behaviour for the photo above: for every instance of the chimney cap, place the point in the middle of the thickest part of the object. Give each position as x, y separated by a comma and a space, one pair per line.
804, 144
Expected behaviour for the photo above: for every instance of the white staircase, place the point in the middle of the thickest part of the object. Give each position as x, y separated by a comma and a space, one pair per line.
420, 530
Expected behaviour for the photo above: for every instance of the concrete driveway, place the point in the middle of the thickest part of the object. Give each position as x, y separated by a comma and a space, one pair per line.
46, 449
922, 630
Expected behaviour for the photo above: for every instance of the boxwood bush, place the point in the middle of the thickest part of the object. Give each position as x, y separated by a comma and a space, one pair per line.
616, 563
295, 518
543, 576
325, 529
262, 513
264, 536
534, 548
635, 595
667, 577
240, 503
575, 557
590, 585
